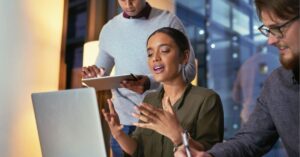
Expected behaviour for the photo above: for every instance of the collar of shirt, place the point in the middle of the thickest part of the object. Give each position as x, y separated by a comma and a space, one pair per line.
180, 101
144, 13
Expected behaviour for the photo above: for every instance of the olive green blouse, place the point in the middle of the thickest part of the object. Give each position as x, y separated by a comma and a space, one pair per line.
199, 111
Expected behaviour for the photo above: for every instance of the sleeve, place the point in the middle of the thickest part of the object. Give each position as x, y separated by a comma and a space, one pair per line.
136, 135
210, 122
256, 137
189, 71
104, 58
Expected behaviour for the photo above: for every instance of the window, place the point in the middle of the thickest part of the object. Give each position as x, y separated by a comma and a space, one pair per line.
225, 38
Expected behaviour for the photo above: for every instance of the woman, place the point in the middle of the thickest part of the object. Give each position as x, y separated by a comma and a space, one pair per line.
178, 106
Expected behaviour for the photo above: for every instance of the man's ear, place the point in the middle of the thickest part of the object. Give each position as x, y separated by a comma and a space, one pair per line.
186, 56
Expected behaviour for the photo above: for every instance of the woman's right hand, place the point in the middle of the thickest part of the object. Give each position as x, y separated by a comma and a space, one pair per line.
92, 71
112, 119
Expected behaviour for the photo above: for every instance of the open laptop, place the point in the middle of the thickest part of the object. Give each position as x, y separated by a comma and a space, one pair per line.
68, 123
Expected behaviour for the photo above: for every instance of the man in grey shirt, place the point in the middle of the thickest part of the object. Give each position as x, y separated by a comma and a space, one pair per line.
277, 108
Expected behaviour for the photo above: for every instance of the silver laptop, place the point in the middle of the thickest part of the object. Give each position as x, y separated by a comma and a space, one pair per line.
68, 123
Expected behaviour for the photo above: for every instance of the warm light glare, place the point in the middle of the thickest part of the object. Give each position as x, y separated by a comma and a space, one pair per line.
165, 4
90, 53
195, 80
30, 43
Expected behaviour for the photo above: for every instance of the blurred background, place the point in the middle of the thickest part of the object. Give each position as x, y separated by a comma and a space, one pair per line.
42, 48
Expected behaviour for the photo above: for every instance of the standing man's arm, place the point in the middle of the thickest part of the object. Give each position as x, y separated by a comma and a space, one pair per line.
104, 58
100, 69
103, 63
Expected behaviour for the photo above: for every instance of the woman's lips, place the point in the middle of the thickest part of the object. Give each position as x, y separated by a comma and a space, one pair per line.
158, 69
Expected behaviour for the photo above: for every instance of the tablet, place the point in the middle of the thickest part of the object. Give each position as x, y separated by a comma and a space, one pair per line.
105, 82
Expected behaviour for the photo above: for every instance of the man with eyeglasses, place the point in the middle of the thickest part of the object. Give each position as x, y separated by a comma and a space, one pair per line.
277, 109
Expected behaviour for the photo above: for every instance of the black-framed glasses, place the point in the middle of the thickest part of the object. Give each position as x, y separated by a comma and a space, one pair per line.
275, 31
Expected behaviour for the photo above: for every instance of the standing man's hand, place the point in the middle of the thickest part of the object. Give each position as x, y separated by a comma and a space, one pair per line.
138, 85
195, 153
92, 71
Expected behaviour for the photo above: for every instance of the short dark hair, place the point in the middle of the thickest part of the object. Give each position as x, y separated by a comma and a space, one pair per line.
283, 9
179, 38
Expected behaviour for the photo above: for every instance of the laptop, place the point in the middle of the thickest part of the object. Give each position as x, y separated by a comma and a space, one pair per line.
68, 123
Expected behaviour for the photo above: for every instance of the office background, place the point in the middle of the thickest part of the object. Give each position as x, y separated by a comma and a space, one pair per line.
42, 41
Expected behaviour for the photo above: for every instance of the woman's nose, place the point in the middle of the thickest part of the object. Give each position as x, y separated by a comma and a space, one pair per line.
156, 57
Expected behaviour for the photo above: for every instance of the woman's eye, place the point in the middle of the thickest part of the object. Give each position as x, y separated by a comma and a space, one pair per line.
149, 54
165, 49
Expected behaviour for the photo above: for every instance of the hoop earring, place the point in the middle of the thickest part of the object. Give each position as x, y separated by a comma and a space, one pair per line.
182, 68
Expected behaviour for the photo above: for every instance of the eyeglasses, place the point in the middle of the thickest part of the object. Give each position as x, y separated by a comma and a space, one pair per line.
275, 31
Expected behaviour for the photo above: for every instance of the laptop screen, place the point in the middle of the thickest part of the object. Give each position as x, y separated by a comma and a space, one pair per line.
68, 123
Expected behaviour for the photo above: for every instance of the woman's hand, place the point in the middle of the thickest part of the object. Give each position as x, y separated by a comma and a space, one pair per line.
195, 153
163, 121
112, 119
127, 144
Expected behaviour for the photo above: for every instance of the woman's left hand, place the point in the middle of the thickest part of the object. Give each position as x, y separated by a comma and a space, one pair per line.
163, 121
140, 85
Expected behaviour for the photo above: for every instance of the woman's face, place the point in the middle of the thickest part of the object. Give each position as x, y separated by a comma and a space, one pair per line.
164, 60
